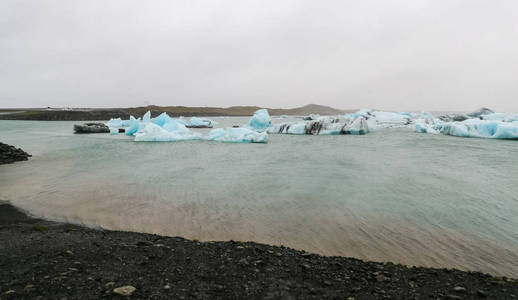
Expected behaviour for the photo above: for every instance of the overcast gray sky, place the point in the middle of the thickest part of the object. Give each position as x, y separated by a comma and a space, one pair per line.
394, 55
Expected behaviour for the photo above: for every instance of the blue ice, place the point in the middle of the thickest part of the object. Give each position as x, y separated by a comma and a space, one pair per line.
237, 135
260, 120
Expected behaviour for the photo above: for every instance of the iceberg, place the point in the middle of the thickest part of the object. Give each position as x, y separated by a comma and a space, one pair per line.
260, 120
154, 133
114, 130
358, 127
161, 119
323, 126
133, 126
504, 117
480, 112
147, 117
311, 117
237, 135
181, 120
196, 122
384, 119
482, 128
114, 122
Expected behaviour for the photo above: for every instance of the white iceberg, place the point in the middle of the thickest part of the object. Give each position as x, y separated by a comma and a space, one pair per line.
237, 135
154, 133
114, 122
481, 128
384, 119
260, 120
199, 122
114, 130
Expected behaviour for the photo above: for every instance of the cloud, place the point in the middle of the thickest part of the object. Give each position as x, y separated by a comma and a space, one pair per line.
401, 55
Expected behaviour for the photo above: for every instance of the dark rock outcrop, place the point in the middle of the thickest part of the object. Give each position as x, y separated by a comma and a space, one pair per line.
10, 154
91, 128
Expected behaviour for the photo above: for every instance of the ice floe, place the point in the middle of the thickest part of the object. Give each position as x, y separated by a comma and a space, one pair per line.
261, 120
237, 135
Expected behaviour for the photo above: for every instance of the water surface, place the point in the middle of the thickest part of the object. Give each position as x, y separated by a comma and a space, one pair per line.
392, 195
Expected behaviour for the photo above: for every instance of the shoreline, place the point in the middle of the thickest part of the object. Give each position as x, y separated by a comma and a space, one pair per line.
56, 260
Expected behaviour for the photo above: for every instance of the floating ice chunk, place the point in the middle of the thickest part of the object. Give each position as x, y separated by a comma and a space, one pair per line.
172, 125
425, 128
114, 122
288, 128
480, 112
154, 133
358, 127
283, 117
147, 117
198, 122
426, 115
260, 120
384, 119
504, 117
181, 120
237, 135
161, 119
311, 117
407, 114
323, 126
133, 126
114, 130
482, 128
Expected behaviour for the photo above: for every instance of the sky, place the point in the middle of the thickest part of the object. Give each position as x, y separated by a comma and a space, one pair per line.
393, 55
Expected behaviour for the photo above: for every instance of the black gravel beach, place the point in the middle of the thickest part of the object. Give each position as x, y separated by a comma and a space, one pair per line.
49, 260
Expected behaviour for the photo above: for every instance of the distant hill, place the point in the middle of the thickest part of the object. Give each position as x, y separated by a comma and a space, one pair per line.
173, 111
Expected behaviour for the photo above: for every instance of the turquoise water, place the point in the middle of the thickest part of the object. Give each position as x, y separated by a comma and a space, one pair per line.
392, 195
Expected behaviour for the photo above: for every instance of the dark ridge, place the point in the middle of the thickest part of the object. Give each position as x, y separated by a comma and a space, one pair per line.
173, 111
48, 260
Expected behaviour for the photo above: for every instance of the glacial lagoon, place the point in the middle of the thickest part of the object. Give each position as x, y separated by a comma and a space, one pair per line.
391, 195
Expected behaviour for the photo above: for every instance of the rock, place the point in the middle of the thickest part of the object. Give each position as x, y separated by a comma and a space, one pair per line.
29, 288
381, 278
459, 289
144, 244
167, 286
453, 297
10, 292
91, 128
126, 290
305, 266
481, 294
10, 154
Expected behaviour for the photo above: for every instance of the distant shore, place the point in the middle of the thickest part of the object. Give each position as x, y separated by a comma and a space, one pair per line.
173, 111
56, 260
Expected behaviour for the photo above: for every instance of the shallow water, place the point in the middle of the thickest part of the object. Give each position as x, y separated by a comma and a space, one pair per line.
392, 195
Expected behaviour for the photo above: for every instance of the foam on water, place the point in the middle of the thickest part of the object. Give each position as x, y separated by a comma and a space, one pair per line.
393, 195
